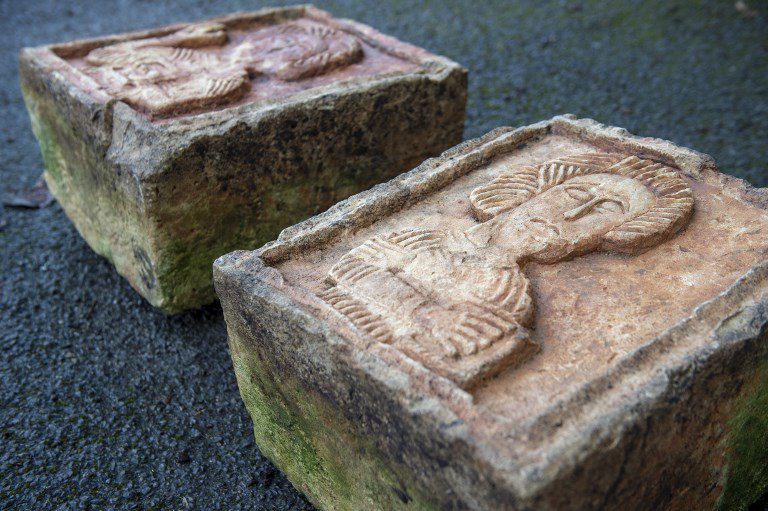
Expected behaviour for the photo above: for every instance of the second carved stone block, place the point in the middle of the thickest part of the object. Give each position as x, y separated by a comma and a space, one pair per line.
171, 147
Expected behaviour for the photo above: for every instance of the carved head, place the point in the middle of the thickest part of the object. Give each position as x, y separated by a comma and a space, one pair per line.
296, 50
579, 204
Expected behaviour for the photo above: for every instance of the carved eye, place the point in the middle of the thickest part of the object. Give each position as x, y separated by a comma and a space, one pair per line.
579, 194
542, 225
610, 206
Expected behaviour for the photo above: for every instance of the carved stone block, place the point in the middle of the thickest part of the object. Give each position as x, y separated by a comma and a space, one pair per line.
171, 147
560, 316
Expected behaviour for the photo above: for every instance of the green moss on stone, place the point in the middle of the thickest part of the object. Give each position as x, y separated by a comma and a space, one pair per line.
51, 151
746, 477
58, 146
103, 211
52, 157
223, 223
315, 446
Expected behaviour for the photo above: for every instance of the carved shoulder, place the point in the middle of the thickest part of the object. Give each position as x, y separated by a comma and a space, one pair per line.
481, 323
358, 313
390, 252
513, 295
419, 239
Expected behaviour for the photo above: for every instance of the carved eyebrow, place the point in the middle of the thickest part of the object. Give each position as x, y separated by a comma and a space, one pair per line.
597, 194
618, 199
604, 200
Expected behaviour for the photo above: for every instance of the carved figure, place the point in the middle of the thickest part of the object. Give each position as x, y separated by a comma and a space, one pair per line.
188, 70
458, 301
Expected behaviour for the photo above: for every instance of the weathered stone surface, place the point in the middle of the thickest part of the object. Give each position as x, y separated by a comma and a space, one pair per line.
561, 316
170, 147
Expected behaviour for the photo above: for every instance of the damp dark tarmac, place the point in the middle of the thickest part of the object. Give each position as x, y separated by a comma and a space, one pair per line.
110, 404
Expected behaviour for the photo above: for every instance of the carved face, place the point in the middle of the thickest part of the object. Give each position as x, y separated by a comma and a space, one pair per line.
570, 217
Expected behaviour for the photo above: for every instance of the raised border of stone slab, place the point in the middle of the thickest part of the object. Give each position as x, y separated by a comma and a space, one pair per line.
352, 429
162, 200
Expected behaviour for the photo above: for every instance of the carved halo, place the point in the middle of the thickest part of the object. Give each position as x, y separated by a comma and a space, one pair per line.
672, 209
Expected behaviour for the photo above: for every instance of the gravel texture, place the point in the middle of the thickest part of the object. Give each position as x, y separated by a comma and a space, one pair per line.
110, 404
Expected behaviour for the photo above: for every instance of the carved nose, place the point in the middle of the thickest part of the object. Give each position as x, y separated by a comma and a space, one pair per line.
580, 211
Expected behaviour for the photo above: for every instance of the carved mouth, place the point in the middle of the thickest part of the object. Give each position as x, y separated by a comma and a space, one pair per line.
543, 226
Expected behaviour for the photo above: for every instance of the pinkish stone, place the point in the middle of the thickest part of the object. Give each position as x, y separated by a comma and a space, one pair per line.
560, 316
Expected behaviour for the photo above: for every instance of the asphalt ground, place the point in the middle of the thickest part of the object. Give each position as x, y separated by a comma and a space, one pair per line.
107, 403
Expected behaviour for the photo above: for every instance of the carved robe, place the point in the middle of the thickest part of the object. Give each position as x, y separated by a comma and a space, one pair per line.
433, 294
171, 73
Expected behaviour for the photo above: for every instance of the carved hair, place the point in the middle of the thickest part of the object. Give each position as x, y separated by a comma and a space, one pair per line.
671, 210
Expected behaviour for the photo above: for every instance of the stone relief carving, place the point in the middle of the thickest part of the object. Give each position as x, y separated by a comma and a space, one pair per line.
458, 301
196, 68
